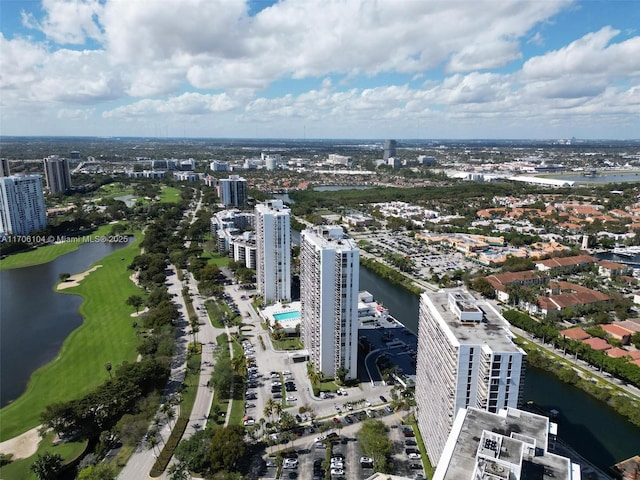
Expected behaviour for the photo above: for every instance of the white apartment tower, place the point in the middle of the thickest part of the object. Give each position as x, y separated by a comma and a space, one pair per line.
22, 208
466, 358
273, 242
232, 191
57, 172
329, 283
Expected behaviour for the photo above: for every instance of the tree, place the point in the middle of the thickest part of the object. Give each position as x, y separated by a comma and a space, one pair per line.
135, 301
239, 365
374, 442
178, 471
268, 407
341, 374
64, 276
47, 466
229, 448
194, 453
108, 367
277, 408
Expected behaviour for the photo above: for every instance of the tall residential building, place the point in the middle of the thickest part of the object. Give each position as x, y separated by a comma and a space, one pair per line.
273, 242
22, 208
389, 149
232, 191
466, 358
4, 167
56, 170
329, 282
509, 445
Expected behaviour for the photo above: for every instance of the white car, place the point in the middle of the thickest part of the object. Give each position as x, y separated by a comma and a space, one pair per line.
290, 463
366, 460
319, 438
337, 465
337, 471
291, 398
414, 456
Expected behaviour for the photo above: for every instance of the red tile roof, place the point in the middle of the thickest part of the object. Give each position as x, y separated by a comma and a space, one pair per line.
575, 333
568, 261
597, 343
617, 352
616, 330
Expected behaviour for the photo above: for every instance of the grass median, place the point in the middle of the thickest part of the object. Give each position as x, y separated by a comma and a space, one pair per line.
105, 336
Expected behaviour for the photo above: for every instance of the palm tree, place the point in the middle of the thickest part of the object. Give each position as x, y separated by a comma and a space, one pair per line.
268, 408
277, 408
239, 365
108, 367
195, 326
178, 471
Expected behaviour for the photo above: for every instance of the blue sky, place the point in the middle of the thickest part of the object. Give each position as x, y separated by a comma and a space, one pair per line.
321, 68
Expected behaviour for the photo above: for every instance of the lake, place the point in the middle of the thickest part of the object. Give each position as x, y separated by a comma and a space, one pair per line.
35, 320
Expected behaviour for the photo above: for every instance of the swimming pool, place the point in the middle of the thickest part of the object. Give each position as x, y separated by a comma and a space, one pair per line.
279, 317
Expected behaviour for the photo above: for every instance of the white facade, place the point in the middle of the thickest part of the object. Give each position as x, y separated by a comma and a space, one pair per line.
508, 445
232, 191
466, 358
329, 283
273, 243
22, 208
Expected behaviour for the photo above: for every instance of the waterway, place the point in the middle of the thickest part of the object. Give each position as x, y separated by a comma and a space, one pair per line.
34, 319
593, 429
600, 177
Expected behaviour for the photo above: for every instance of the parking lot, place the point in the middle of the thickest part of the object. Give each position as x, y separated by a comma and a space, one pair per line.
342, 456
275, 375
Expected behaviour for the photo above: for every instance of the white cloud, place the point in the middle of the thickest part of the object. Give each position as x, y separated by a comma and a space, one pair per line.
21, 61
592, 54
211, 59
68, 21
185, 104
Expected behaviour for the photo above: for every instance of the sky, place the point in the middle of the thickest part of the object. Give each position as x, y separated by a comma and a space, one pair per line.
419, 69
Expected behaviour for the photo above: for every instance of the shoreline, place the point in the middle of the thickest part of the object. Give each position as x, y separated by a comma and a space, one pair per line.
74, 280
84, 351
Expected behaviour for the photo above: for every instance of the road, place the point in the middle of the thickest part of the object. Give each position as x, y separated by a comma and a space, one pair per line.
142, 460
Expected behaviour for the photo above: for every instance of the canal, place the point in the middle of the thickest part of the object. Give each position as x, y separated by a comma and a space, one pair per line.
34, 319
591, 427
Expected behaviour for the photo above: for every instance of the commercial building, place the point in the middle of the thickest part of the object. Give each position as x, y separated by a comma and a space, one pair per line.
466, 358
57, 172
22, 208
4, 167
389, 149
232, 191
273, 243
329, 282
508, 445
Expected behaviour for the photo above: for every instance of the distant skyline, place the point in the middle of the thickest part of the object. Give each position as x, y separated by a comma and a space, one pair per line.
547, 69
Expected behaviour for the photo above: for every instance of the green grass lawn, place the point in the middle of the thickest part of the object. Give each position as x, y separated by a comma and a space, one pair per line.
46, 253
106, 335
22, 468
293, 343
170, 195
216, 259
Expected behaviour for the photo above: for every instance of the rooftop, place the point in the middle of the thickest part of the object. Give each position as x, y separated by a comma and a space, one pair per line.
491, 445
492, 330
